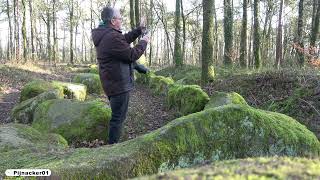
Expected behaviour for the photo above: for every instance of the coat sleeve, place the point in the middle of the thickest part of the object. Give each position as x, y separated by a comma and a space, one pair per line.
121, 49
133, 35
140, 68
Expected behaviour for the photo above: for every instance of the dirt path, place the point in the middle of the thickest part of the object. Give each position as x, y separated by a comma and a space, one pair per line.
146, 113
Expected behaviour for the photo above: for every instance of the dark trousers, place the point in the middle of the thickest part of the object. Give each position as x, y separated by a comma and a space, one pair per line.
119, 107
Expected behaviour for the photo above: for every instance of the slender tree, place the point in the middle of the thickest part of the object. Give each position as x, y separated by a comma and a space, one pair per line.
256, 35
24, 30
207, 41
228, 32
315, 24
10, 37
71, 21
299, 38
243, 41
177, 39
137, 12
279, 45
32, 30
132, 23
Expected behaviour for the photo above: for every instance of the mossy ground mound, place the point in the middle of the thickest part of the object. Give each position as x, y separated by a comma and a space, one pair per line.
186, 74
19, 136
36, 87
187, 99
74, 120
92, 81
251, 168
221, 98
23, 112
225, 132
94, 69
160, 85
292, 93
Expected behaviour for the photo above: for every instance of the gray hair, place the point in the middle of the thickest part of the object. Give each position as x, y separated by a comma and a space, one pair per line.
107, 14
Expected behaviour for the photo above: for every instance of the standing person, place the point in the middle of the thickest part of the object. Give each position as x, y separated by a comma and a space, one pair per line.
116, 61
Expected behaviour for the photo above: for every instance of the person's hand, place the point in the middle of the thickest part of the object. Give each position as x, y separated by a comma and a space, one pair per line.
146, 38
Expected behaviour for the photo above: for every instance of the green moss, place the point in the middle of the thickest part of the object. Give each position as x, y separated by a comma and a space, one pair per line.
160, 85
92, 81
221, 98
23, 112
37, 87
251, 168
94, 69
186, 74
187, 99
144, 78
15, 136
69, 90
74, 120
226, 132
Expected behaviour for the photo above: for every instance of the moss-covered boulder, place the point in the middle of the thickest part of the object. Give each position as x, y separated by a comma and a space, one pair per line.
226, 132
37, 87
73, 90
70, 90
222, 98
92, 81
19, 136
251, 168
160, 85
74, 120
23, 112
187, 99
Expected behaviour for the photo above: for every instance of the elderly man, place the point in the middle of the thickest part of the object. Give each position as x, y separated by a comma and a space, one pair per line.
116, 63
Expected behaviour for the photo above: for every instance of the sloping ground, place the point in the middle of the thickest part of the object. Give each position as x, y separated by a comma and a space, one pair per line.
146, 111
291, 93
225, 132
12, 79
251, 168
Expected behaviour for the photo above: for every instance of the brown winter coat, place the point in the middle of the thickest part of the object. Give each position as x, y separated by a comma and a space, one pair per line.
115, 58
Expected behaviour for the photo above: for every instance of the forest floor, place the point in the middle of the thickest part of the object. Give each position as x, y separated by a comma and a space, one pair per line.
146, 111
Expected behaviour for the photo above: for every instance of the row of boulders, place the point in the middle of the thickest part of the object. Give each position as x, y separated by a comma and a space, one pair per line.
228, 131
60, 107
227, 128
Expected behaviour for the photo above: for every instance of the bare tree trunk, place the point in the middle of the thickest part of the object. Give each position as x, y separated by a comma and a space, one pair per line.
55, 43
24, 31
207, 42
299, 39
32, 30
16, 25
132, 23
256, 36
151, 33
216, 46
10, 43
71, 31
184, 32
243, 41
137, 12
279, 38
64, 46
